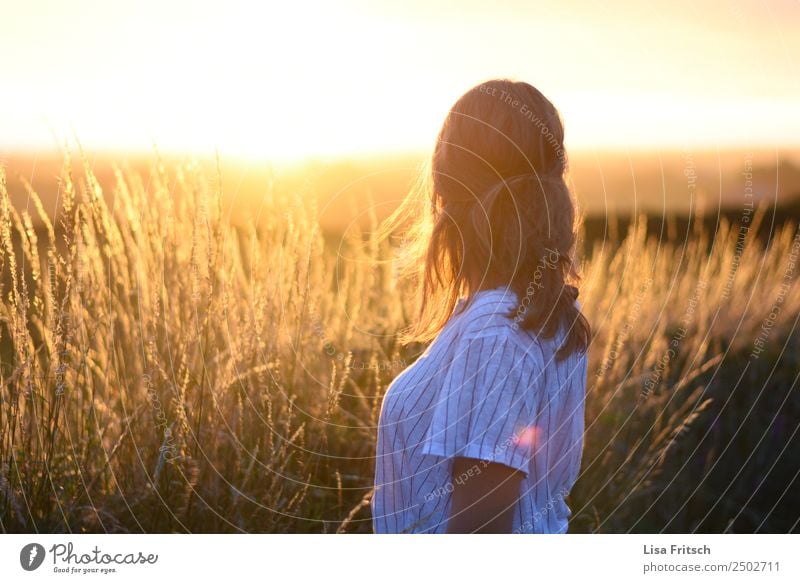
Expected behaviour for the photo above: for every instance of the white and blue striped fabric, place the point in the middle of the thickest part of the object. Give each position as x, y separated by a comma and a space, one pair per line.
488, 390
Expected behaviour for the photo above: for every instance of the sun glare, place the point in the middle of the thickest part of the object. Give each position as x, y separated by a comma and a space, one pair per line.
284, 81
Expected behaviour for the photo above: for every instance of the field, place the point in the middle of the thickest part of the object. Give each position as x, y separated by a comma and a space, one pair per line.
164, 370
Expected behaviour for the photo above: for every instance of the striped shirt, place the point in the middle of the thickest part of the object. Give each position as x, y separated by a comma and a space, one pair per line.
483, 389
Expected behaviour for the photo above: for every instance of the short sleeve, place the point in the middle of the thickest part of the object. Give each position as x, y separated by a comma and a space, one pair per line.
487, 405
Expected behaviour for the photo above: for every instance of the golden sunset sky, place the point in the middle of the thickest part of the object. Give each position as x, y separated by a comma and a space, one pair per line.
293, 79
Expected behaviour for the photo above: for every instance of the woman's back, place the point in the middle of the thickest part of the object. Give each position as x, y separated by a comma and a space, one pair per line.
488, 391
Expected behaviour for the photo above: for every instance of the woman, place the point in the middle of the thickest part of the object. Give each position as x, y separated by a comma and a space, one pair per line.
484, 432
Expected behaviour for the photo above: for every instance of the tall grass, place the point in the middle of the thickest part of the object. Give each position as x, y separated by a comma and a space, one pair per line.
164, 371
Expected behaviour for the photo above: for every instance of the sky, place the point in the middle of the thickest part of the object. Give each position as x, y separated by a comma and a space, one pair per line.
287, 80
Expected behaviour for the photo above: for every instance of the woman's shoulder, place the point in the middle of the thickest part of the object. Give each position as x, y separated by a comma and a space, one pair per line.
493, 319
488, 313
